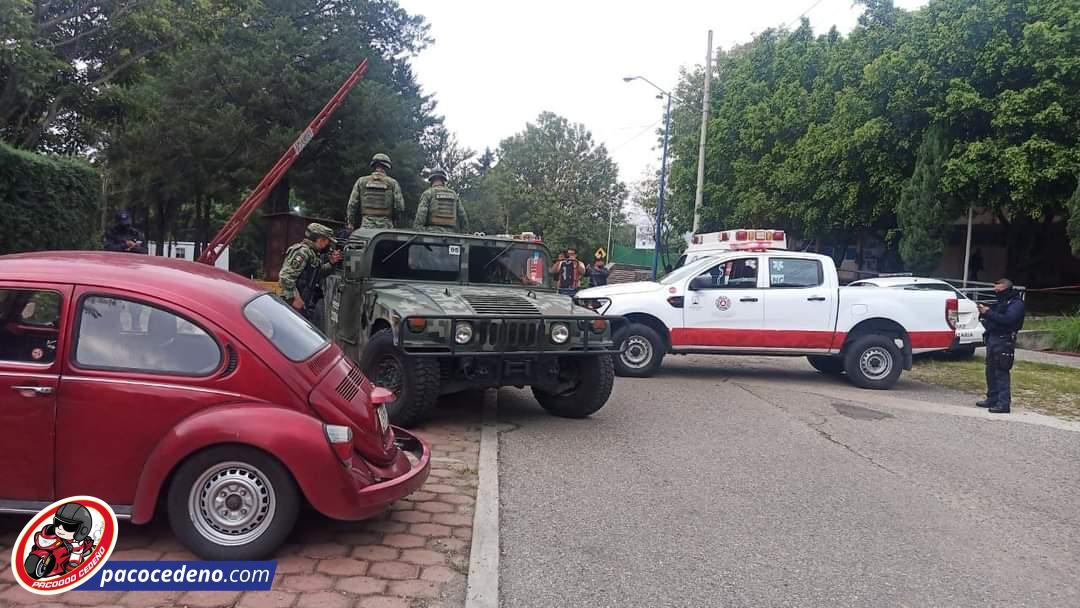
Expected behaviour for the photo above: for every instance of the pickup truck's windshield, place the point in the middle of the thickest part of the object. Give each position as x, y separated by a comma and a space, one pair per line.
509, 264
415, 261
679, 274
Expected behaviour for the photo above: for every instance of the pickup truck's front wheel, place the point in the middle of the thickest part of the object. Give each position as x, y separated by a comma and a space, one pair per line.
414, 381
642, 351
873, 362
584, 387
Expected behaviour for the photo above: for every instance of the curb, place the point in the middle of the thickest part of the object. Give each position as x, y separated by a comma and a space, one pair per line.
483, 586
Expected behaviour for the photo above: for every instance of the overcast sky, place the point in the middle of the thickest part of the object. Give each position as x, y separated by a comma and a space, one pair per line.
496, 64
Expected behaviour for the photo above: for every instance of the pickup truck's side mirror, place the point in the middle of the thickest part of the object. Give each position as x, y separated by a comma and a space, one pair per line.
704, 282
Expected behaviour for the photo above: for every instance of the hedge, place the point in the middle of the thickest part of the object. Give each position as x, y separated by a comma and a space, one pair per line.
47, 202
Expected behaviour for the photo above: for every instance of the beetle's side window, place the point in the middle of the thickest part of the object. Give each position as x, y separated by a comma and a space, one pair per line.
29, 325
122, 334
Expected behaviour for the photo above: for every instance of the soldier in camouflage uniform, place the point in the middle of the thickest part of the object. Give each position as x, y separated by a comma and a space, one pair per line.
440, 208
304, 256
376, 200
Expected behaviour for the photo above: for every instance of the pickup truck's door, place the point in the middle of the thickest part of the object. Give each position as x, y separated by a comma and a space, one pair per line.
727, 311
800, 306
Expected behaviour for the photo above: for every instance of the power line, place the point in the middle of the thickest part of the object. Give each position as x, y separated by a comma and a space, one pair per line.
803, 14
642, 132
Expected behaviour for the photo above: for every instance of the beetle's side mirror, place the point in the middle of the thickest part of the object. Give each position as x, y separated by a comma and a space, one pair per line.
704, 282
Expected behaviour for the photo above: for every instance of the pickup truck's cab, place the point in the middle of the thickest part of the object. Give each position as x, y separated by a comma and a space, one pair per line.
774, 302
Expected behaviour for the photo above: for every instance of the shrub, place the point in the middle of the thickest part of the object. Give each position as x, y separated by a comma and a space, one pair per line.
47, 202
1067, 334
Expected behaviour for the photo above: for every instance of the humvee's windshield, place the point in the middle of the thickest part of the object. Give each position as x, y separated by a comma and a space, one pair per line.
416, 261
509, 264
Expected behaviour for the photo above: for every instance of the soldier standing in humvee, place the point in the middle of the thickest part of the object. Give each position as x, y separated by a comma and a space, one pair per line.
376, 200
440, 208
303, 269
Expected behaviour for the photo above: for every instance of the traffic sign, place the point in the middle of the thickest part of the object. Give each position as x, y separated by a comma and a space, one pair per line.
600, 253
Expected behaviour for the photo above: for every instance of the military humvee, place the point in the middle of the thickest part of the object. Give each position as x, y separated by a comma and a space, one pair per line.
426, 314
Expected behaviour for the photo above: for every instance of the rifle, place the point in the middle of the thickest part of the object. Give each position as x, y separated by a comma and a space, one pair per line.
310, 285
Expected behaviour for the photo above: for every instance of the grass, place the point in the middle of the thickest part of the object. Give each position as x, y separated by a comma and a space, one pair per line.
1047, 389
1066, 330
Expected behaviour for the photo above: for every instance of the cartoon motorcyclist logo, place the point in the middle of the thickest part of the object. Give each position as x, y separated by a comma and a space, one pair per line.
64, 545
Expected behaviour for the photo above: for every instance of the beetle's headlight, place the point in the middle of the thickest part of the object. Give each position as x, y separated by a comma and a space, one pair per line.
560, 333
463, 332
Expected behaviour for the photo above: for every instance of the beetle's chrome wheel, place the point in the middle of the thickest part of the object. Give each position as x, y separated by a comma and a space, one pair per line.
638, 353
876, 363
232, 503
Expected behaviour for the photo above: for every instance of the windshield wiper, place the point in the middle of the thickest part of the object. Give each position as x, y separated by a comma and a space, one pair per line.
403, 245
500, 254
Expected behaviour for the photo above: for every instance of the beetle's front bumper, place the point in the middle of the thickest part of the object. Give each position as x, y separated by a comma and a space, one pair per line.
397, 480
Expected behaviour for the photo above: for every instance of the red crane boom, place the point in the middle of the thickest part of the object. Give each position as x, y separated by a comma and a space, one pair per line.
243, 213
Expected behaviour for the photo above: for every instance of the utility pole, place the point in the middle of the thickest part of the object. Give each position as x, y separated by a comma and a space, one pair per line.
663, 184
701, 144
967, 245
610, 222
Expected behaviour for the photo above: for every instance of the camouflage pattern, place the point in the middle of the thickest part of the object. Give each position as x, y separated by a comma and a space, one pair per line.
363, 303
316, 230
440, 210
298, 257
375, 218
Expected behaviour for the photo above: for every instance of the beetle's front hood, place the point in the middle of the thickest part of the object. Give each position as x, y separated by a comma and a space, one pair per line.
409, 299
618, 289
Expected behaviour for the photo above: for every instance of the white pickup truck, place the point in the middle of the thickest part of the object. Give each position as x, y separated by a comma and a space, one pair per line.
772, 302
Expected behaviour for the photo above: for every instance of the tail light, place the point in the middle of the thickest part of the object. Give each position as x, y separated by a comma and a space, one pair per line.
340, 439
952, 312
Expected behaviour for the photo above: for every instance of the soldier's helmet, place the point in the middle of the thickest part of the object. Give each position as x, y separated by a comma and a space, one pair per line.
437, 173
74, 518
381, 159
316, 230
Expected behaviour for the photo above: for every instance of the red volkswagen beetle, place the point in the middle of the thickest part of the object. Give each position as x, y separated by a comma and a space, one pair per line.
155, 383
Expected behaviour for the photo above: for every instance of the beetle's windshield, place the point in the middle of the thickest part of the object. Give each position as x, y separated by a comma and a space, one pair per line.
290, 333
416, 261
512, 264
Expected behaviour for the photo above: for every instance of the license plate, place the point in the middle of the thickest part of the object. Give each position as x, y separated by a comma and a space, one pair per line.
384, 418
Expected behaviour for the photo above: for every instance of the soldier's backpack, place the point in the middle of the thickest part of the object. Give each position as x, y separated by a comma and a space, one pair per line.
443, 210
375, 200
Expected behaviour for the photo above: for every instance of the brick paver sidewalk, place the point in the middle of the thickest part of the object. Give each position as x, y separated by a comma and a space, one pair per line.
414, 556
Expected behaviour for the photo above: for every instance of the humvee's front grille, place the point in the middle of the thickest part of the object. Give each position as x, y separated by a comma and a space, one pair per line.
513, 334
500, 305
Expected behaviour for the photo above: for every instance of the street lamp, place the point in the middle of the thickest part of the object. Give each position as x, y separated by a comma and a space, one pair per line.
663, 170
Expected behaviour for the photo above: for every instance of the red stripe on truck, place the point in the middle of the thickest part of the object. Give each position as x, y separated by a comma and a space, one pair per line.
753, 338
932, 339
790, 338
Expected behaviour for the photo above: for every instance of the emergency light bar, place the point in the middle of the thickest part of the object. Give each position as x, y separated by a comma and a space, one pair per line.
741, 240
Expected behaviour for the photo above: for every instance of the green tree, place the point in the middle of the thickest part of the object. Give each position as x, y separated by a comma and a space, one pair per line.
924, 214
553, 178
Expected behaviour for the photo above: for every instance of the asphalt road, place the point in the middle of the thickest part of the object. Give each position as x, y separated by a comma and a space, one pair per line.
758, 482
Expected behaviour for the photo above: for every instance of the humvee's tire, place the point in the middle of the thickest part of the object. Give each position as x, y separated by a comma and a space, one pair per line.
414, 380
827, 365
593, 378
873, 361
643, 351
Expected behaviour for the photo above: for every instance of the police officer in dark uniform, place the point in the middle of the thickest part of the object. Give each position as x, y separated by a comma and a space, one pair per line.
1002, 321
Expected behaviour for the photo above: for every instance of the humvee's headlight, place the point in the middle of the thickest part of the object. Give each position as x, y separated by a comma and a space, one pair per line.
560, 333
463, 332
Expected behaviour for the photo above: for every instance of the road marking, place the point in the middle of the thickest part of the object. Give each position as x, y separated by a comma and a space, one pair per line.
483, 588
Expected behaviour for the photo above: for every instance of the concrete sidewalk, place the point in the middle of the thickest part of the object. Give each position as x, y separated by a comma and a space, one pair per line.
1035, 356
